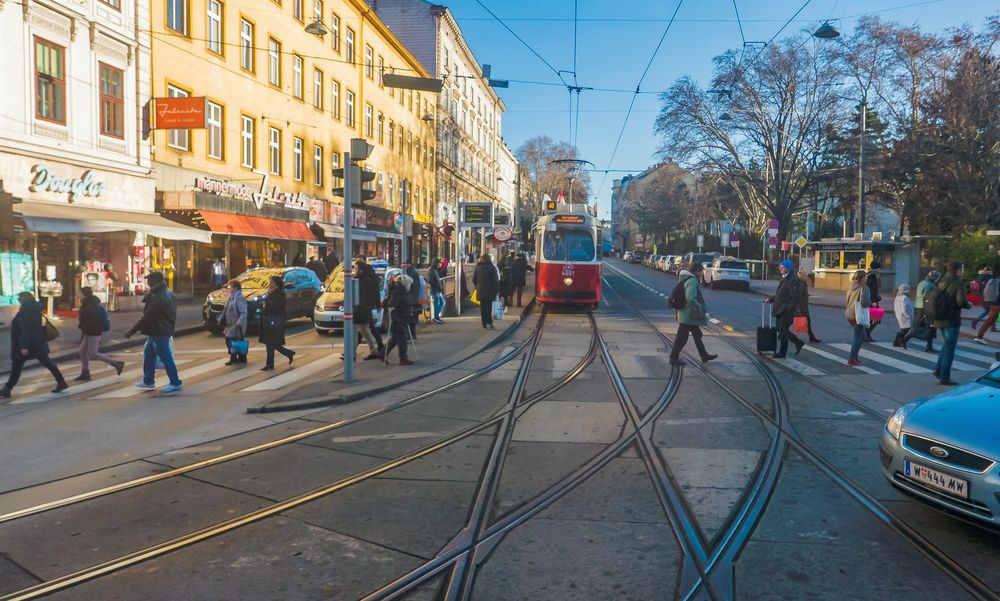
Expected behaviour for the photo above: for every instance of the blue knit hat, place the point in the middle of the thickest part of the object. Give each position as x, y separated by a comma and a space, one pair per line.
787, 264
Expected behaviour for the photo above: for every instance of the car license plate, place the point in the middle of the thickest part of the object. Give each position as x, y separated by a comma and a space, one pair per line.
951, 485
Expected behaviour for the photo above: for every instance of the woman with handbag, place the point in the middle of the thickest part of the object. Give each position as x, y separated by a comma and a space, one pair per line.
30, 333
272, 323
234, 324
486, 279
856, 311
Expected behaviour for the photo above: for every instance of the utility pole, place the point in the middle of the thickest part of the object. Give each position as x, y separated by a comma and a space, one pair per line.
402, 228
861, 162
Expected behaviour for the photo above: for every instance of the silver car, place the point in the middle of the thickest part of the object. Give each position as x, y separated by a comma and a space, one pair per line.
943, 450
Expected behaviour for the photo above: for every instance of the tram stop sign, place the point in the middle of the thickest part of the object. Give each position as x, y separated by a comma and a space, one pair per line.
800, 242
502, 233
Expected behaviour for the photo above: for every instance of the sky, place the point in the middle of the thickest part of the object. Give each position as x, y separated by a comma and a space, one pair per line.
614, 44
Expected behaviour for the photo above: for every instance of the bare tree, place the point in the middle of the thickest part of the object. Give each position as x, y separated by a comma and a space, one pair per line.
535, 156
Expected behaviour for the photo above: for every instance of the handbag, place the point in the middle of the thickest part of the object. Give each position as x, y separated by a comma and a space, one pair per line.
800, 324
862, 316
877, 313
239, 347
51, 333
475, 296
497, 310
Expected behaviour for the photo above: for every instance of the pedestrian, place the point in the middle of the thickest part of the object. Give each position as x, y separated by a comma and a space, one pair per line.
506, 282
990, 291
437, 290
519, 275
159, 318
804, 306
272, 323
93, 323
858, 298
414, 292
903, 309
218, 273
692, 316
28, 341
873, 279
978, 286
330, 261
948, 319
234, 322
368, 300
317, 267
298, 261
923, 317
397, 304
486, 279
786, 301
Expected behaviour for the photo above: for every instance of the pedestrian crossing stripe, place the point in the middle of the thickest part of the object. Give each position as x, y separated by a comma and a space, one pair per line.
125, 379
130, 391
868, 355
293, 375
959, 365
839, 359
801, 368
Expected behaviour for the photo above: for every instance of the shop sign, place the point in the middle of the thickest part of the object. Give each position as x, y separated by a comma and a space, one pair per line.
423, 218
317, 209
292, 200
179, 113
382, 220
86, 185
336, 216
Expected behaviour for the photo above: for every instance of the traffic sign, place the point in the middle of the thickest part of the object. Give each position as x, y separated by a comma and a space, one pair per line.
502, 233
786, 245
772, 241
801, 242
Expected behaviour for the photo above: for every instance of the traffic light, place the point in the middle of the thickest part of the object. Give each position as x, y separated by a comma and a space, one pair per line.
366, 176
356, 174
8, 217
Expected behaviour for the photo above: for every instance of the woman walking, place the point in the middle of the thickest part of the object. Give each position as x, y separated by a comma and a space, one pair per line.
92, 324
397, 304
857, 294
486, 279
902, 308
272, 323
28, 341
692, 316
234, 322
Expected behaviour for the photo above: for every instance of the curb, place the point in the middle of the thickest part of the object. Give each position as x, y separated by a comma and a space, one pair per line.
332, 401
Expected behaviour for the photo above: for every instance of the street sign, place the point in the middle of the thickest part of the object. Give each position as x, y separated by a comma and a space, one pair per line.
724, 239
800, 242
701, 241
502, 233
475, 214
786, 245
772, 241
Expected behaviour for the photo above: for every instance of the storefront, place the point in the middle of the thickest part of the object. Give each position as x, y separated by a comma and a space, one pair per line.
90, 227
836, 261
384, 227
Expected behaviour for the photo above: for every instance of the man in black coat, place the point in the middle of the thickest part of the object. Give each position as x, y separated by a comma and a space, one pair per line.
414, 295
873, 279
330, 261
159, 318
486, 279
368, 300
317, 267
786, 301
519, 275
28, 341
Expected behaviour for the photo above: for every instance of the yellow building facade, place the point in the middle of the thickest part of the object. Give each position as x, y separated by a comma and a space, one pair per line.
281, 107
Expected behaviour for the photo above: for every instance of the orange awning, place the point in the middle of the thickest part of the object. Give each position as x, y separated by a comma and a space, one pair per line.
258, 227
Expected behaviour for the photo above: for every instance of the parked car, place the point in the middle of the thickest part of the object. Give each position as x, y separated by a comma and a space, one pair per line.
637, 257
728, 271
674, 265
650, 261
662, 262
328, 314
302, 287
943, 450
704, 258
627, 257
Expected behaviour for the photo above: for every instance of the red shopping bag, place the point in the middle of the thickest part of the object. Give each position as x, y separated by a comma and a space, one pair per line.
800, 325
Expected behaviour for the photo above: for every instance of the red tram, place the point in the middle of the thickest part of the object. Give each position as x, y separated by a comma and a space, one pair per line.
568, 258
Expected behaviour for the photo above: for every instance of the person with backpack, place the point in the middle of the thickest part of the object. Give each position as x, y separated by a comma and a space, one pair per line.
903, 309
94, 321
397, 305
689, 308
991, 308
947, 299
28, 341
858, 298
873, 279
924, 320
786, 302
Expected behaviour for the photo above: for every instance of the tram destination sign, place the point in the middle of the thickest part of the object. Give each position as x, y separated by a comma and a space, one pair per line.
570, 219
476, 214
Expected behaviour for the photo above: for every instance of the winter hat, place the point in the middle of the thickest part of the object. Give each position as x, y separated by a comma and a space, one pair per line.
875, 265
904, 289
787, 264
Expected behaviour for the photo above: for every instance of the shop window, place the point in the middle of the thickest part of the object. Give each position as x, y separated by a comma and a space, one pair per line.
213, 26
178, 138
248, 150
213, 126
112, 101
855, 259
317, 164
884, 257
177, 15
297, 165
50, 81
274, 150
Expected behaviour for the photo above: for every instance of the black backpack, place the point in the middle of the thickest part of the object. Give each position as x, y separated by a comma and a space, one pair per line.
936, 303
677, 299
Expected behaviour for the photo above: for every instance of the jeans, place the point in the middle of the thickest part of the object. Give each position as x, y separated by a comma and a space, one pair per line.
681, 339
269, 352
17, 364
785, 333
859, 337
438, 304
947, 356
89, 346
158, 347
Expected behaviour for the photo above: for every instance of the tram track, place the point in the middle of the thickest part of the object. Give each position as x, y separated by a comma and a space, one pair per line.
742, 524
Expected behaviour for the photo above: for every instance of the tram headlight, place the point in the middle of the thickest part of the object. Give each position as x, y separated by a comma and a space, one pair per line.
568, 281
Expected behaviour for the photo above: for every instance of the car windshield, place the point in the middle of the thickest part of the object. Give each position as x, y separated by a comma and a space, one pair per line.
733, 265
335, 282
569, 245
993, 374
259, 278
701, 258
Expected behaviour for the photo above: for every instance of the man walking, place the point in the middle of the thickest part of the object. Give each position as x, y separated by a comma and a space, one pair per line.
368, 299
873, 279
786, 301
317, 267
414, 293
948, 318
159, 318
519, 275
437, 290
28, 341
691, 316
923, 318
991, 302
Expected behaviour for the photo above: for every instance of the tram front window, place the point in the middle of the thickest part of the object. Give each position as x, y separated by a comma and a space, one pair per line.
569, 245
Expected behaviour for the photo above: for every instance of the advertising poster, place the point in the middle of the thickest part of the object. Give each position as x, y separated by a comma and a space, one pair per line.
15, 276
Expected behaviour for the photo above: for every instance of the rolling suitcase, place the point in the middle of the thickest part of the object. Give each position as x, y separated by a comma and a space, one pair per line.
767, 334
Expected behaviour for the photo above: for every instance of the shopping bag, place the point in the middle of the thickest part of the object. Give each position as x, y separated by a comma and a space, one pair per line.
767, 334
497, 310
861, 315
475, 296
800, 325
239, 347
876, 314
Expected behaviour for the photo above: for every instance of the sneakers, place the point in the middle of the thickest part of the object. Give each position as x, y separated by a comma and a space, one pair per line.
119, 367
4, 393
291, 356
83, 377
405, 361
171, 388
438, 320
979, 340
60, 386
708, 358
144, 386
853, 362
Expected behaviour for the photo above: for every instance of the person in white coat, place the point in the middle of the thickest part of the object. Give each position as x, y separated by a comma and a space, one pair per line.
903, 309
234, 321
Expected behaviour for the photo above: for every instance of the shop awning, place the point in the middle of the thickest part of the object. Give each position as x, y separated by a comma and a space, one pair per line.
51, 218
328, 230
257, 227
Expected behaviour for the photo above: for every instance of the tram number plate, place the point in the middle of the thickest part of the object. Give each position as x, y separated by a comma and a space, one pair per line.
951, 485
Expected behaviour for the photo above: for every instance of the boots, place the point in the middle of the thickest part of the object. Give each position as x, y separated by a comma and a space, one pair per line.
83, 377
61, 385
4, 393
233, 360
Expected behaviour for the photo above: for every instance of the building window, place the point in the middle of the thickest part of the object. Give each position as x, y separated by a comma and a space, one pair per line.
50, 81
381, 71
335, 99
297, 159
213, 126
350, 45
335, 32
178, 138
392, 132
112, 101
350, 108
400, 140
274, 150
392, 191
380, 186
115, 4
369, 121
246, 45
177, 15
409, 145
317, 164
318, 89
297, 9
213, 26
274, 62
297, 76
380, 128
369, 62
248, 142
335, 164
317, 10
416, 143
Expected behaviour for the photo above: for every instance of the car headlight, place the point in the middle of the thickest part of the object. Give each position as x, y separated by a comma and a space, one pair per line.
895, 423
319, 306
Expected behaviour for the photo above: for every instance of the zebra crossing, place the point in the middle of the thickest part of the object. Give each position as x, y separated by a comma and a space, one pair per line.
884, 358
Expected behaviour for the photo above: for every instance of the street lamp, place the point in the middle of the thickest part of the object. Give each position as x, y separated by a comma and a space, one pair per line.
317, 28
827, 31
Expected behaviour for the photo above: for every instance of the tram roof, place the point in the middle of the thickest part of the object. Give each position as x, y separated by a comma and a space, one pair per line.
576, 210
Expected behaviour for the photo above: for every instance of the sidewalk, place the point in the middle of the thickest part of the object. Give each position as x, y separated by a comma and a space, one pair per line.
66, 347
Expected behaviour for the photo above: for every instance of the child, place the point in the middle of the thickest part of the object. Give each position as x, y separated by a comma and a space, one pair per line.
903, 308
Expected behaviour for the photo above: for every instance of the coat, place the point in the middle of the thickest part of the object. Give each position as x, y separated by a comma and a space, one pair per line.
693, 313
414, 291
26, 332
486, 279
91, 319
874, 282
434, 280
397, 303
857, 293
234, 316
272, 319
506, 280
902, 308
804, 299
519, 272
787, 297
953, 287
317, 267
159, 313
368, 295
922, 289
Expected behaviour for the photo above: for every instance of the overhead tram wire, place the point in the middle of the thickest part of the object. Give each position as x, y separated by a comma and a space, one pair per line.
520, 39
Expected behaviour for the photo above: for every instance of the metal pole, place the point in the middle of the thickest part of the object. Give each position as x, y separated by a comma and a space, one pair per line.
352, 192
405, 202
861, 159
458, 270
